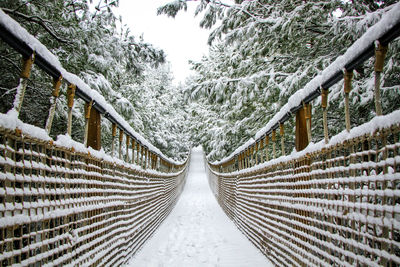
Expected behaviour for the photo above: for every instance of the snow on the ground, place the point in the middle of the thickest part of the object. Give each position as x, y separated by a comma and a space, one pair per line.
197, 232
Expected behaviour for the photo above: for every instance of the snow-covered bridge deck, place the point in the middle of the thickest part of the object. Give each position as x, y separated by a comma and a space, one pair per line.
197, 232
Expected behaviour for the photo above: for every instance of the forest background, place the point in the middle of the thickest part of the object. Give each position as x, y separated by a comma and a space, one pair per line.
261, 52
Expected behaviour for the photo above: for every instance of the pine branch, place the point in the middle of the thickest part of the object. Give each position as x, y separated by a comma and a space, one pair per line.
38, 20
11, 62
238, 7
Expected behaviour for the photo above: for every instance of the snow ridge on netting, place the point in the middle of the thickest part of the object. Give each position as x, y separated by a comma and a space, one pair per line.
22, 34
375, 32
335, 204
59, 206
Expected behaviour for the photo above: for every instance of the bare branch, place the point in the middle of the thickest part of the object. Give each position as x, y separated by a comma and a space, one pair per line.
39, 21
11, 62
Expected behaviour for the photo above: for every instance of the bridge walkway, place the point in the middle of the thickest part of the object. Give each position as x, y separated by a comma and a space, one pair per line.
198, 232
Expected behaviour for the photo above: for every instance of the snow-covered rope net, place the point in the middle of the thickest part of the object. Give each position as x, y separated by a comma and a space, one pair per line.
62, 203
338, 205
62, 207
334, 203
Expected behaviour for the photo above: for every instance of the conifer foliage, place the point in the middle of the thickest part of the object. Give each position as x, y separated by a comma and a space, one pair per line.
263, 51
92, 42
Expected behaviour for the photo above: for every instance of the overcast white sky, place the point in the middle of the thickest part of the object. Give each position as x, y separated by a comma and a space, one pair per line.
181, 38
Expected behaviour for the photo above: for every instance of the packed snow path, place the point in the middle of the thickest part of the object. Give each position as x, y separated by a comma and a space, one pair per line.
197, 232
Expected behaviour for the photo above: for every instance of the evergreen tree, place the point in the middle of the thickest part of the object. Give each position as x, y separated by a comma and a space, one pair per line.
264, 51
91, 42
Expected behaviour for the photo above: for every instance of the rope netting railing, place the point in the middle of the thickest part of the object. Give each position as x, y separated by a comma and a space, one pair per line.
335, 202
64, 202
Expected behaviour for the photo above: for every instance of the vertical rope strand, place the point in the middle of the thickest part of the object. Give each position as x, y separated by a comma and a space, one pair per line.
53, 101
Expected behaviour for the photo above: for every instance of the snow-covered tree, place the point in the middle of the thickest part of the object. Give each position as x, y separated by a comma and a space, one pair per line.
93, 43
264, 51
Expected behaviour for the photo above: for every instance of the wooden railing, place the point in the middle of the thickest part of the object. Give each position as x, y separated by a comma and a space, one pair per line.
63, 202
335, 202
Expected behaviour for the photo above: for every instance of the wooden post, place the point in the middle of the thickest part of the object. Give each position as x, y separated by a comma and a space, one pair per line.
308, 108
88, 108
146, 158
137, 153
380, 54
247, 153
236, 163
348, 76
260, 148
282, 134
127, 148
114, 134
301, 130
251, 156
274, 143
266, 148
133, 150
121, 136
70, 103
162, 164
27, 66
149, 159
23, 82
142, 156
256, 152
94, 130
324, 104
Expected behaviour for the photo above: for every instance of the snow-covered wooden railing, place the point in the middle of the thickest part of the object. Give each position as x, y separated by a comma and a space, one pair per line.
335, 202
63, 202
